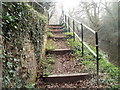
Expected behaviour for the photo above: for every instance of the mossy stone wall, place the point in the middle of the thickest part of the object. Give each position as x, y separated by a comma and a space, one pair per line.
23, 33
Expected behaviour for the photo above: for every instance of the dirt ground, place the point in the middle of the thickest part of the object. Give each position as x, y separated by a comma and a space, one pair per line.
67, 64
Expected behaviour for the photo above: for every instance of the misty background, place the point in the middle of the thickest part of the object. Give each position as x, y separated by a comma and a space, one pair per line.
101, 16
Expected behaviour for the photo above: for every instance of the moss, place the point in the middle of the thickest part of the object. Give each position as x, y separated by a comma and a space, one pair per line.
49, 34
117, 87
47, 70
90, 62
69, 33
21, 25
51, 45
51, 61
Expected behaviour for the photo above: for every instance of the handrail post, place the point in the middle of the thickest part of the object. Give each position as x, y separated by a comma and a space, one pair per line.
73, 30
63, 17
82, 40
97, 58
65, 20
48, 17
68, 24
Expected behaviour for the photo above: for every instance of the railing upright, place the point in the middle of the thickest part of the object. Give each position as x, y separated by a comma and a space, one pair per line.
69, 24
97, 57
48, 17
96, 54
73, 30
82, 39
65, 20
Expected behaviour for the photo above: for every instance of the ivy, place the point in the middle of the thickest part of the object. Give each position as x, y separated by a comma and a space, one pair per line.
19, 20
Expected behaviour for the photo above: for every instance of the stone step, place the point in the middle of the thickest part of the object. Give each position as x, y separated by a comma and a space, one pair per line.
59, 51
67, 77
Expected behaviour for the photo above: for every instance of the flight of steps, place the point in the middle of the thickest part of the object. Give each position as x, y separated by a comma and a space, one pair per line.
60, 78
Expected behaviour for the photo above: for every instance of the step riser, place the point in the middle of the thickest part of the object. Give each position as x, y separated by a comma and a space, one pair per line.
56, 31
66, 79
56, 27
60, 38
58, 52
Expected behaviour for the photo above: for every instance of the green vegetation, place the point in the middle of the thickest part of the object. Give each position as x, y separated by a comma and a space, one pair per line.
51, 61
51, 45
48, 64
69, 34
49, 34
21, 25
108, 71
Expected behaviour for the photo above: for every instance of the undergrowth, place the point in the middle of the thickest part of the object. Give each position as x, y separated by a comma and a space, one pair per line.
108, 72
48, 65
51, 45
49, 34
69, 34
21, 24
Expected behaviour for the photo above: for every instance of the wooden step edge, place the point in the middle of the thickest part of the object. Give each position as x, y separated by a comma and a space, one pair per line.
67, 78
58, 37
64, 37
56, 31
54, 25
59, 51
69, 75
59, 30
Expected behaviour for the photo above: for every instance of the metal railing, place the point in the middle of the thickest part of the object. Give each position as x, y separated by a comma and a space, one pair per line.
66, 21
45, 10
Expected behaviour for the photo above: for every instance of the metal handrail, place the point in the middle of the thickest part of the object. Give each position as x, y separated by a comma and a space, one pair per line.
93, 31
39, 4
47, 12
67, 19
67, 22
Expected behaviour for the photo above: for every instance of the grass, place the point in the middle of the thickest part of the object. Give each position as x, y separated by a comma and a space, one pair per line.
49, 34
48, 64
51, 61
51, 45
89, 61
47, 68
69, 33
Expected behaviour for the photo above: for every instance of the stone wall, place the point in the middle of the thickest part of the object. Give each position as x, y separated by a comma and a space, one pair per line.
23, 34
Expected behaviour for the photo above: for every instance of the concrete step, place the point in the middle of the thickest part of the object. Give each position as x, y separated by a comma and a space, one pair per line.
67, 77
59, 51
